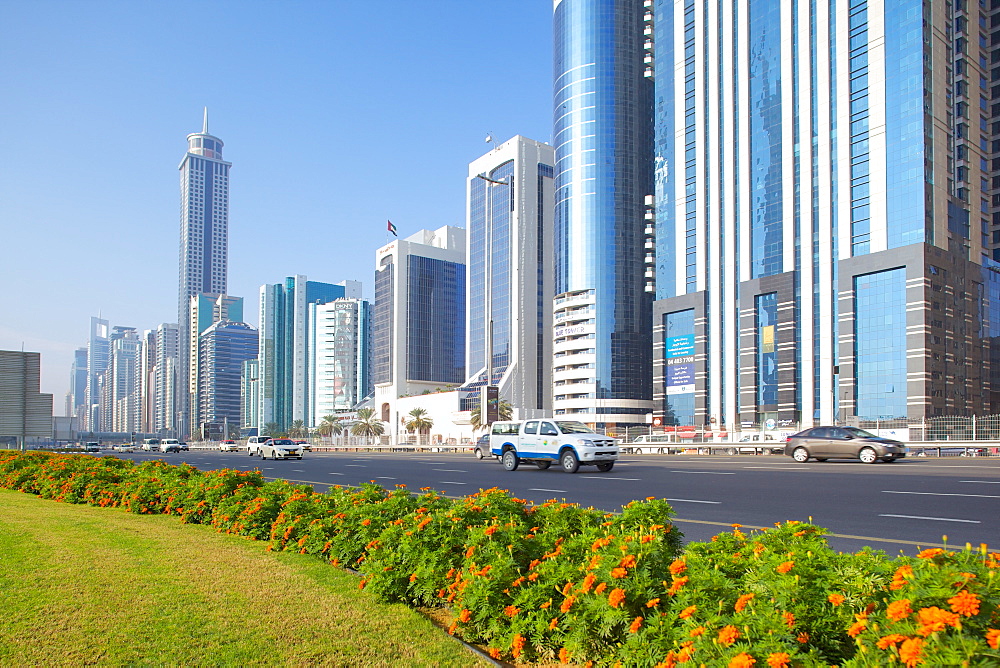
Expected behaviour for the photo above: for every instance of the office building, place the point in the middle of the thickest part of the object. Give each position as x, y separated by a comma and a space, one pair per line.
77, 394
224, 347
119, 388
165, 379
509, 260
285, 353
97, 363
418, 318
603, 140
341, 357
250, 394
204, 310
826, 216
204, 242
25, 413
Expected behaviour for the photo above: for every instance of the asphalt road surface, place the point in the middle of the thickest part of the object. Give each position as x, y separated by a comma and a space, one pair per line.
903, 506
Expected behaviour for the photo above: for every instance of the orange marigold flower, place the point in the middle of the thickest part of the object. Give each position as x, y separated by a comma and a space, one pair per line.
677, 584
567, 604
600, 588
494, 652
616, 597
742, 601
544, 606
517, 645
910, 652
742, 660
736, 525
802, 637
618, 572
965, 603
413, 577
491, 530
628, 561
934, 619
993, 638
588, 582
470, 552
890, 640
686, 612
678, 567
567, 588
554, 623
451, 629
778, 660
511, 611
647, 539
564, 655
931, 553
789, 619
728, 635
835, 599
465, 616
365, 522
697, 631
857, 628
898, 610
785, 566
533, 577
652, 603
636, 625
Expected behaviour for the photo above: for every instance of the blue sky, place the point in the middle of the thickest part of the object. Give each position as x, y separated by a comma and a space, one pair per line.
336, 115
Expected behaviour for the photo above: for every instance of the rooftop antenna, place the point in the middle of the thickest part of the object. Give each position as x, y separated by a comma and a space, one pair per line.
204, 123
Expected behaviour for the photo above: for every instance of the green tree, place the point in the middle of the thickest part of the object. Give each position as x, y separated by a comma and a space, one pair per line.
297, 429
417, 420
505, 410
368, 425
269, 429
330, 426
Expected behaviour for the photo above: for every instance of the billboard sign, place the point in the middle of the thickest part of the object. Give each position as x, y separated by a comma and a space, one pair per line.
680, 346
680, 378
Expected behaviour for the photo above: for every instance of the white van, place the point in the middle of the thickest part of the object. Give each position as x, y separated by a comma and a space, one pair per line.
541, 442
151, 444
656, 444
170, 445
254, 443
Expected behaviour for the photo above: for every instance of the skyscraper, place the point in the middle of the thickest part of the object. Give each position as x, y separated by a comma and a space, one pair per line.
827, 254
97, 363
223, 349
165, 378
204, 238
77, 383
509, 260
341, 356
603, 174
286, 393
204, 310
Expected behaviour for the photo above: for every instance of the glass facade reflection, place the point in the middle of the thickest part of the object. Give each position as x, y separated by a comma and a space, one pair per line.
435, 320
880, 344
382, 319
767, 350
603, 172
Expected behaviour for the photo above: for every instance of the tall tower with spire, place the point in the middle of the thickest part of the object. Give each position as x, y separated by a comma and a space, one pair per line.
204, 246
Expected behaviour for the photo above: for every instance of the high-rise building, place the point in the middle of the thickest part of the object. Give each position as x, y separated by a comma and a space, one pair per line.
119, 389
250, 393
223, 349
827, 254
204, 310
603, 136
165, 379
509, 260
285, 353
97, 363
77, 383
24, 412
147, 381
204, 241
341, 357
418, 318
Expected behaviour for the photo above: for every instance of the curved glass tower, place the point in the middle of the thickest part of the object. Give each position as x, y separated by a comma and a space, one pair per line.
603, 138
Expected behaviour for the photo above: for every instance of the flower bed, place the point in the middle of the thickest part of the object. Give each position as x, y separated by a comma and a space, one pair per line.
557, 582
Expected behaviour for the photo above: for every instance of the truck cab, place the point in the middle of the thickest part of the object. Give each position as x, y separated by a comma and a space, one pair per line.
541, 442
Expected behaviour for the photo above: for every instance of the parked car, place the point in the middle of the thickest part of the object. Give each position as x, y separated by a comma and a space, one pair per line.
228, 446
482, 446
280, 448
822, 443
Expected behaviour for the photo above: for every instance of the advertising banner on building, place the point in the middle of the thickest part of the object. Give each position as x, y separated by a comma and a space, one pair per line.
679, 346
680, 378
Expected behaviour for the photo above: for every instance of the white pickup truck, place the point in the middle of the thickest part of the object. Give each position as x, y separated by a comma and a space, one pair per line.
541, 442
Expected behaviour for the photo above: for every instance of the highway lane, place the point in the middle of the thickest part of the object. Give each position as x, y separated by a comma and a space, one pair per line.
893, 507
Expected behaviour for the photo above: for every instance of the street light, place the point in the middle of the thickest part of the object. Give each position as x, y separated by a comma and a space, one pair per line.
489, 416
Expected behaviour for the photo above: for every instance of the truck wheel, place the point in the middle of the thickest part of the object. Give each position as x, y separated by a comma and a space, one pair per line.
605, 467
510, 460
543, 465
569, 462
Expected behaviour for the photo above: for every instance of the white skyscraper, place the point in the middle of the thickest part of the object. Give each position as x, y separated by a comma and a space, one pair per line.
204, 239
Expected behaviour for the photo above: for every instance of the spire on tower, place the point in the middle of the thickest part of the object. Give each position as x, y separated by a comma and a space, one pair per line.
204, 123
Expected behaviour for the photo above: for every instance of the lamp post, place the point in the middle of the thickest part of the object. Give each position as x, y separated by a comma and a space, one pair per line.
485, 406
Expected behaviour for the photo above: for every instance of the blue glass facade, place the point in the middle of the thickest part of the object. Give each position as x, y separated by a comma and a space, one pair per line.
223, 348
382, 319
603, 140
860, 148
767, 350
435, 320
880, 344
665, 172
765, 138
491, 212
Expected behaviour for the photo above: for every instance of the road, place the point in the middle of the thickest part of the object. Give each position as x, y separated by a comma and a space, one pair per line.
896, 507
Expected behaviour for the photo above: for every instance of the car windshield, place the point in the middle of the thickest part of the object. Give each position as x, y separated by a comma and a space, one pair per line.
861, 433
573, 427
282, 441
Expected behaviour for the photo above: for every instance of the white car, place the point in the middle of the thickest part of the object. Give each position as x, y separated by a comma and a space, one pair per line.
228, 446
280, 448
170, 445
254, 443
541, 442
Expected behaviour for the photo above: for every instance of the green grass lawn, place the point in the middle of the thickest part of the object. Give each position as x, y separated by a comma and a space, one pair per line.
83, 585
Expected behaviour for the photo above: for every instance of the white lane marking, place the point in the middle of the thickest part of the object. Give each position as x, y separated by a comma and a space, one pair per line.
936, 519
360, 466
607, 477
451, 482
298, 470
984, 482
268, 468
539, 489
694, 501
943, 466
384, 477
336, 474
977, 496
780, 468
708, 472
450, 470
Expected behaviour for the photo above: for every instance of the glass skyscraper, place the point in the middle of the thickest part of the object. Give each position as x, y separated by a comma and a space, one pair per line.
826, 218
603, 137
223, 349
340, 357
204, 241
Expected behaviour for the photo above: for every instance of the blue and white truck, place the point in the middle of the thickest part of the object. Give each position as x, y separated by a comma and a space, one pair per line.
541, 442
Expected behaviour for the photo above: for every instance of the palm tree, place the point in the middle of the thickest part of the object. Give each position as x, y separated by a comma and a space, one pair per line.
368, 425
269, 429
417, 420
505, 410
330, 426
297, 429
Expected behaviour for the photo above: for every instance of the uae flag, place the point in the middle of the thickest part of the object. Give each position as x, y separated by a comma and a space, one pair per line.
391, 228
